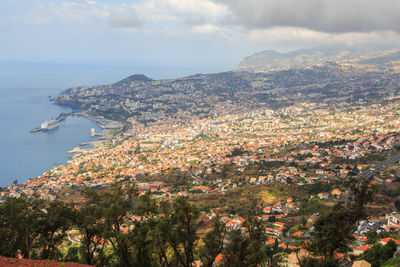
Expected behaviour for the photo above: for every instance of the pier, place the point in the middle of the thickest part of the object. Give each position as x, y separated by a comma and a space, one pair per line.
51, 124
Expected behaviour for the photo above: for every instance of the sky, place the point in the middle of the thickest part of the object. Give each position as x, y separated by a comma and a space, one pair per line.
210, 34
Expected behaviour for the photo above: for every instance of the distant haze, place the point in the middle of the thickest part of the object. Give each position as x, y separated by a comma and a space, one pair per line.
60, 76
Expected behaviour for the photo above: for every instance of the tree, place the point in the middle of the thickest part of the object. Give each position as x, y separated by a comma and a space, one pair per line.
10, 226
91, 227
332, 232
53, 226
182, 234
237, 151
303, 221
213, 243
146, 205
379, 254
160, 236
246, 249
109, 210
372, 237
20, 219
174, 233
397, 204
141, 244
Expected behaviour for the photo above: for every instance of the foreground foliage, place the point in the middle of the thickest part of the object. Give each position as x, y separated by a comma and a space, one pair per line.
165, 236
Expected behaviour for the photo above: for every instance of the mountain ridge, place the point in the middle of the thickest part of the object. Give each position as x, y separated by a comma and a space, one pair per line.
346, 56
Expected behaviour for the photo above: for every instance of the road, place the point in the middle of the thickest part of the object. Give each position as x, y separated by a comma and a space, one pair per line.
371, 172
194, 176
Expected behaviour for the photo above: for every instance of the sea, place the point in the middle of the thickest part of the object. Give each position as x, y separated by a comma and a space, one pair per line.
25, 93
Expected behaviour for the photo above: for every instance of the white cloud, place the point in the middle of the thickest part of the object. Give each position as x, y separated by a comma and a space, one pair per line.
205, 28
182, 11
71, 12
200, 7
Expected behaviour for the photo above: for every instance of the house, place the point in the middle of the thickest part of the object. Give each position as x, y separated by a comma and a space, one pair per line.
298, 234
265, 218
267, 210
219, 259
393, 219
336, 192
323, 195
360, 250
362, 263
279, 224
386, 240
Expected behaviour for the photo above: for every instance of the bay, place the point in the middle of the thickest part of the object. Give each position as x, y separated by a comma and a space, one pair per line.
25, 154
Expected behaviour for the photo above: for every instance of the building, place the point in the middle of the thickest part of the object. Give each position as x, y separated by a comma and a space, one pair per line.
393, 219
362, 263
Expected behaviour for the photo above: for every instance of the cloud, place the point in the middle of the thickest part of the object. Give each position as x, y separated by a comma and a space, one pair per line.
70, 11
189, 12
291, 38
231, 29
205, 28
124, 18
201, 7
331, 16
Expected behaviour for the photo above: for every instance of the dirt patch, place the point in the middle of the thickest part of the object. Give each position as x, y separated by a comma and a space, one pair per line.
11, 262
291, 221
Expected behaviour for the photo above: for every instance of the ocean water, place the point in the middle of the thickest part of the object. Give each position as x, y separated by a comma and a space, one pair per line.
25, 154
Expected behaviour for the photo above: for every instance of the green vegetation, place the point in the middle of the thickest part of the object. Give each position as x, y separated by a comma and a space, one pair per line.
379, 254
246, 250
308, 207
393, 262
237, 151
26, 226
213, 243
166, 234
333, 230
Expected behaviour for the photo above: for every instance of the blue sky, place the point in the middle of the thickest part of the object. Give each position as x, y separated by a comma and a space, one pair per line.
207, 33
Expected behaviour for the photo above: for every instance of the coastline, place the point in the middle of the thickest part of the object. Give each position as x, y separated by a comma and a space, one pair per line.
103, 123
107, 135
92, 146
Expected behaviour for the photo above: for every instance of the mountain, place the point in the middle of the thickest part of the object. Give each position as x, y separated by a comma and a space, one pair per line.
132, 79
346, 56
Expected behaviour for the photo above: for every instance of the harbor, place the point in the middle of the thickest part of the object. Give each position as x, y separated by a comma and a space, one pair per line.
91, 145
50, 124
106, 125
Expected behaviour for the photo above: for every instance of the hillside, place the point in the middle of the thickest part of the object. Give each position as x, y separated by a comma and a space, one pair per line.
346, 56
205, 95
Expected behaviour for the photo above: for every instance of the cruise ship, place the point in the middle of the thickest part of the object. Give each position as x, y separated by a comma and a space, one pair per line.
47, 125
